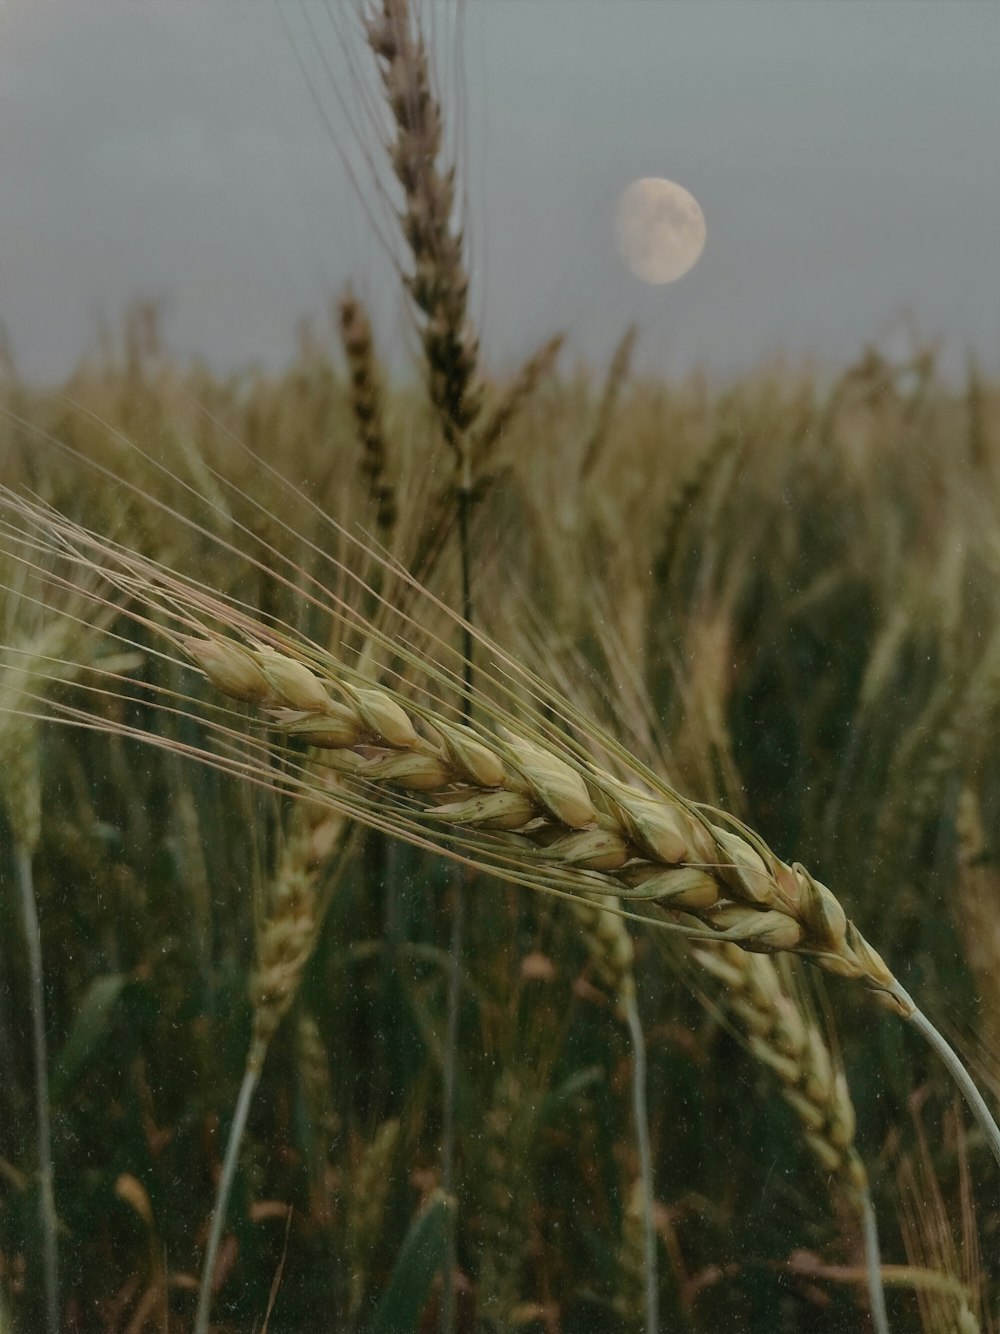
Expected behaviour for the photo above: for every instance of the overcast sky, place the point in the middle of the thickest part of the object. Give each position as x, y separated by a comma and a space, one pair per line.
845, 154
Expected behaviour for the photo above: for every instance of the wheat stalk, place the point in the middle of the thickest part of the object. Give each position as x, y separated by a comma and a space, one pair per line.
286, 936
38, 659
555, 820
438, 286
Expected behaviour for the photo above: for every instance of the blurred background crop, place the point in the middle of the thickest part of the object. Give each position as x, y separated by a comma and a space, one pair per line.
746, 521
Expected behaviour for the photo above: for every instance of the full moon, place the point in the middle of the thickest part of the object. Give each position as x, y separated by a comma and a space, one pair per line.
660, 229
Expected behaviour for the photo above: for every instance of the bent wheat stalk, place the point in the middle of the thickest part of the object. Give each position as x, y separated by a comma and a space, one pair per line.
571, 823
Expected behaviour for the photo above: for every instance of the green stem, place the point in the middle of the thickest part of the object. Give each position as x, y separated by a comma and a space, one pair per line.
464, 497
873, 1263
47, 1205
448, 1098
6, 1322
464, 522
641, 1113
977, 1103
251, 1075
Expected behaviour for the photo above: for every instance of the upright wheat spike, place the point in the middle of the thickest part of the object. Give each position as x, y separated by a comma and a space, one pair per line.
366, 404
538, 366
629, 1302
438, 284
684, 503
292, 916
313, 1064
509, 1129
286, 935
612, 958
618, 369
366, 1208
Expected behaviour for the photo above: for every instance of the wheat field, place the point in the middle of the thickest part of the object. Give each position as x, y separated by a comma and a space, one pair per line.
407, 788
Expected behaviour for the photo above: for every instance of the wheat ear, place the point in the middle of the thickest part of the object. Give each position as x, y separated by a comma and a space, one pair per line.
781, 1038
366, 405
530, 806
524, 384
618, 370
438, 284
286, 935
561, 816
370, 1185
508, 1139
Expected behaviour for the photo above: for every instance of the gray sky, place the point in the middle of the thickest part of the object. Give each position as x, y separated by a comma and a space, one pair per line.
845, 153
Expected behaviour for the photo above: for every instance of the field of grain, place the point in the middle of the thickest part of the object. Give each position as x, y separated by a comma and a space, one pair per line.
335, 1012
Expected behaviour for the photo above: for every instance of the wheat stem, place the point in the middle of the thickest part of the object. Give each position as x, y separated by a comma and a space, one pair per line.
641, 1112
977, 1103
873, 1262
47, 1200
438, 287
251, 1075
449, 1072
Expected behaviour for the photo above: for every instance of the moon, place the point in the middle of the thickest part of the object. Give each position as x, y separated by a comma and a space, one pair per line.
660, 229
